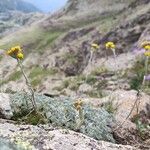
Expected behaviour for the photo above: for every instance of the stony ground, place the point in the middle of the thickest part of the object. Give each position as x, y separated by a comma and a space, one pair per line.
46, 138
57, 51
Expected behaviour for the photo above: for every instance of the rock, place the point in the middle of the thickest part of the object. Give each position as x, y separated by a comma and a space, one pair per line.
7, 145
88, 8
46, 137
128, 33
12, 87
69, 92
5, 108
8, 67
84, 88
145, 36
73, 61
123, 101
123, 62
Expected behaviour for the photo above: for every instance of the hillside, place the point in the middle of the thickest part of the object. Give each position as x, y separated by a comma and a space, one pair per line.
88, 7
62, 68
17, 5
124, 28
16, 13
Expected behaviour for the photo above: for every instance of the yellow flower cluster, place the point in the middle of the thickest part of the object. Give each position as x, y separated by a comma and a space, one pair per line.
78, 104
94, 46
146, 46
110, 45
147, 53
15, 52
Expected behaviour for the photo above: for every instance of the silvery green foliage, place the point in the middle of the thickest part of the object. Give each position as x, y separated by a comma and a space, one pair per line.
6, 145
61, 112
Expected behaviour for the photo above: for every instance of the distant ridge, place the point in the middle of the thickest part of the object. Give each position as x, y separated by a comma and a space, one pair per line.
18, 5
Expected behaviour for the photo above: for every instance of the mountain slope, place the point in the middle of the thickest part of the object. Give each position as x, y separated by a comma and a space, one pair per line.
19, 5
16, 13
59, 62
94, 6
65, 41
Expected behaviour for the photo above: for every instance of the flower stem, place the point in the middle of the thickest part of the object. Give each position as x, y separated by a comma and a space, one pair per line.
29, 86
114, 53
89, 63
81, 117
146, 68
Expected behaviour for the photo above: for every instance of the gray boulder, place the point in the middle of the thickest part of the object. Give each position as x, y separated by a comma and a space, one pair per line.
5, 108
46, 137
6, 145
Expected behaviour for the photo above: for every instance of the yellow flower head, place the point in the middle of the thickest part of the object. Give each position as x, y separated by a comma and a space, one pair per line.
146, 45
147, 53
94, 46
15, 52
78, 107
110, 45
20, 56
78, 104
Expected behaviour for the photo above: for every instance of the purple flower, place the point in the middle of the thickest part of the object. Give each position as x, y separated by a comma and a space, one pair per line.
147, 77
137, 50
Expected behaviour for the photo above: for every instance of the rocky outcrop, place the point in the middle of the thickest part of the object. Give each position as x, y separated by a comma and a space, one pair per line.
95, 7
5, 144
47, 137
127, 34
123, 102
145, 35
5, 108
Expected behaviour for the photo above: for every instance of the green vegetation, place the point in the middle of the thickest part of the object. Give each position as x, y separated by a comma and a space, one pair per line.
138, 71
98, 71
91, 79
35, 39
12, 77
33, 118
38, 73
70, 57
38, 39
15, 76
105, 21
109, 107
62, 113
72, 83
142, 126
47, 40
95, 93
1, 57
76, 82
